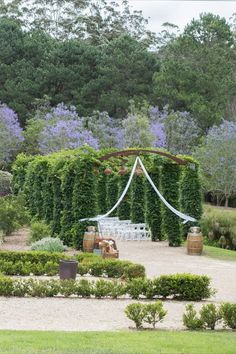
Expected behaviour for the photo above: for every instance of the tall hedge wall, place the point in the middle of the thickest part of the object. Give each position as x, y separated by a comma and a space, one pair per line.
170, 190
137, 200
153, 203
112, 192
124, 207
190, 193
65, 187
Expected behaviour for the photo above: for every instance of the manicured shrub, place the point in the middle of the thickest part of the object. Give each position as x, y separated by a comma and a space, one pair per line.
228, 313
104, 288
137, 214
136, 312
190, 318
112, 192
84, 288
210, 315
134, 271
102, 197
84, 202
153, 208
190, 193
170, 189
136, 287
49, 244
124, 207
39, 230
154, 313
19, 170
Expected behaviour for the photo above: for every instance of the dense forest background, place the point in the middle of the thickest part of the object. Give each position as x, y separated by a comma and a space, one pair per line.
86, 71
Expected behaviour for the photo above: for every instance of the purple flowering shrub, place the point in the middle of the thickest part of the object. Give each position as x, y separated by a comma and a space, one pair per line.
11, 136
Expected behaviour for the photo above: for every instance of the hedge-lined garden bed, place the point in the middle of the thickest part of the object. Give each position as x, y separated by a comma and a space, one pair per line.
65, 187
45, 263
179, 286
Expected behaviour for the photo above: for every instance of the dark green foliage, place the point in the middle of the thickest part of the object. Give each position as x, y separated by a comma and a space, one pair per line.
153, 206
112, 192
104, 288
102, 193
84, 199
67, 216
137, 200
124, 207
228, 312
190, 193
170, 190
39, 263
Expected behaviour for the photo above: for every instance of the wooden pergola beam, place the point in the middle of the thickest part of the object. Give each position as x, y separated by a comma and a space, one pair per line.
124, 153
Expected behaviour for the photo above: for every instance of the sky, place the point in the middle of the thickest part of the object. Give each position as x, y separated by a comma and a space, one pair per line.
180, 12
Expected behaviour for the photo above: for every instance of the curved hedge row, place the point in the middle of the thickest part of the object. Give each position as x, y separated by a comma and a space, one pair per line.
64, 187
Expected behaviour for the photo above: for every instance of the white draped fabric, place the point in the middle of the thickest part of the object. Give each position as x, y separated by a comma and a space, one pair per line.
186, 218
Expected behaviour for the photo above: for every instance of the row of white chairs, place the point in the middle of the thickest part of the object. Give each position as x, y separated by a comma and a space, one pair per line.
123, 230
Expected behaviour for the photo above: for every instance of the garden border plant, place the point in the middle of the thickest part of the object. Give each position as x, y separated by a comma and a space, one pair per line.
107, 288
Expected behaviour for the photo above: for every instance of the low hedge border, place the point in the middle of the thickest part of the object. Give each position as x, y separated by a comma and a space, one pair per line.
41, 263
181, 286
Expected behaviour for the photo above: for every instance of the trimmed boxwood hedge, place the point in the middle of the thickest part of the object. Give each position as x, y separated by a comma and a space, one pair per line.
181, 286
40, 263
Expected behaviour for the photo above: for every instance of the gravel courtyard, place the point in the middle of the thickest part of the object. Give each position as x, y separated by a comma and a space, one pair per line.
86, 314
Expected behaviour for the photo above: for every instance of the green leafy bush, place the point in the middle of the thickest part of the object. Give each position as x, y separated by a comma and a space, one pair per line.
13, 214
154, 313
39, 230
190, 318
136, 312
49, 244
5, 183
219, 227
136, 287
149, 313
210, 315
228, 313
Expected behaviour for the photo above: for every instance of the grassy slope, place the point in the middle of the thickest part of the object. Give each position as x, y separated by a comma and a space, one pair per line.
219, 253
32, 342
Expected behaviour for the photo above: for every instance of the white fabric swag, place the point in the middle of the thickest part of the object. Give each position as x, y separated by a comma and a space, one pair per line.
186, 218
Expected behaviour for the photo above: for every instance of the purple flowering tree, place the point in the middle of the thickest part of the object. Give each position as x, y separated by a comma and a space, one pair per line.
11, 136
65, 134
57, 128
217, 159
107, 130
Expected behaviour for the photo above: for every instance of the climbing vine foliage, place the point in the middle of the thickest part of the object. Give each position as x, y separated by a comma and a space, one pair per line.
67, 186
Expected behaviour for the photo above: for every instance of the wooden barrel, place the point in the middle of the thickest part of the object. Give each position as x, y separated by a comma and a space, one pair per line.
194, 242
88, 241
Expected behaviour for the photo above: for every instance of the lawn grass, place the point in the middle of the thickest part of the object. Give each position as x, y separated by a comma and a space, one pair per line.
219, 253
145, 342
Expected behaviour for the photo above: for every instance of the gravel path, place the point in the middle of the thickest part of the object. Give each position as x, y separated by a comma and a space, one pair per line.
86, 314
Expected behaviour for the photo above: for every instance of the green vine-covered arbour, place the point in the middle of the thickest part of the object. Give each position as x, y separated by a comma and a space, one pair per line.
67, 186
